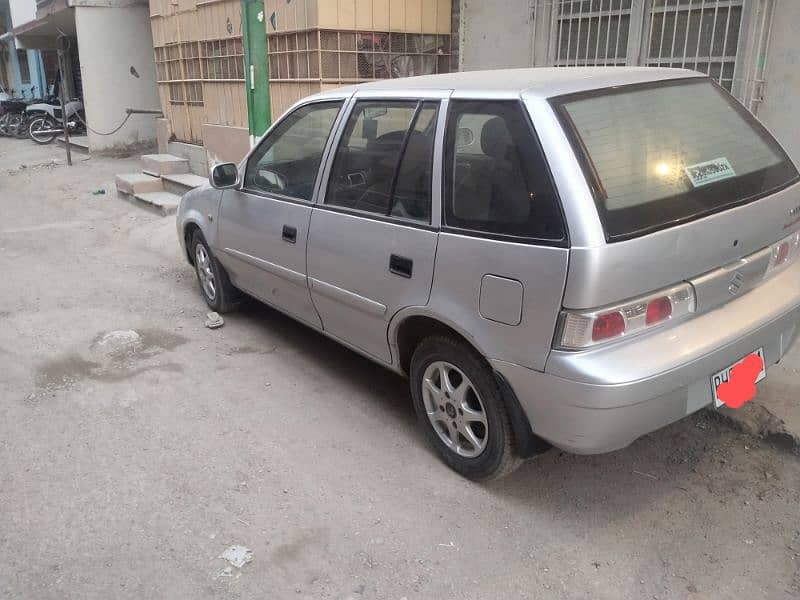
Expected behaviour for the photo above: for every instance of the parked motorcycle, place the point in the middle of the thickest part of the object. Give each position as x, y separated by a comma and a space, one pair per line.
12, 118
44, 120
13, 121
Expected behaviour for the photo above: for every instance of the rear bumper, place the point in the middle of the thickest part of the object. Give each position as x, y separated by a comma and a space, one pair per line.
603, 399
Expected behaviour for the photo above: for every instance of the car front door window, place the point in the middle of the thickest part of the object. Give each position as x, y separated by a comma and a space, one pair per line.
287, 161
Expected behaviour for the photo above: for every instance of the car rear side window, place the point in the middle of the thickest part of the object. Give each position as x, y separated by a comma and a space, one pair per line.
496, 177
664, 153
384, 161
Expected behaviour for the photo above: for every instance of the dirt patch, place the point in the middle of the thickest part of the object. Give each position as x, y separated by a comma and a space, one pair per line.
250, 350
161, 338
756, 420
114, 356
68, 371
64, 372
52, 164
291, 552
122, 374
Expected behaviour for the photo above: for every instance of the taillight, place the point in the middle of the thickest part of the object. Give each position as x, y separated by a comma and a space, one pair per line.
781, 253
608, 326
582, 329
784, 253
659, 309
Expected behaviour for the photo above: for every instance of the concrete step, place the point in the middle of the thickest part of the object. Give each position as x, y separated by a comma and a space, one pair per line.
135, 183
182, 182
163, 203
164, 164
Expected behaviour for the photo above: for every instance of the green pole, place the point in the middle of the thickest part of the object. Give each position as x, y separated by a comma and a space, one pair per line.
256, 67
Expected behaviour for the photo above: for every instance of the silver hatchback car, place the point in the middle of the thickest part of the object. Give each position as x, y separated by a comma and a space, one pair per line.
573, 257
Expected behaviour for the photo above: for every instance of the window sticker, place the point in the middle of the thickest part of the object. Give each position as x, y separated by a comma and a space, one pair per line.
710, 171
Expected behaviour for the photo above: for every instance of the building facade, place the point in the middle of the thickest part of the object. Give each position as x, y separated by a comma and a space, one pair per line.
210, 70
24, 72
200, 70
106, 61
749, 46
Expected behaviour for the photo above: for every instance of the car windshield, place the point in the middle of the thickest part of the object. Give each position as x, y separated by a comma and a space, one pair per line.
661, 154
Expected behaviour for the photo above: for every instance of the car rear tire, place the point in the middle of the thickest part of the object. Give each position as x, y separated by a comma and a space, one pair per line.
461, 409
217, 289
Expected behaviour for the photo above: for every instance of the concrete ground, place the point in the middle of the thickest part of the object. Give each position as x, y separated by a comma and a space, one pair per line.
126, 471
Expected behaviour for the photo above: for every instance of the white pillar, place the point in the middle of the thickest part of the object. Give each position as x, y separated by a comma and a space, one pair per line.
115, 47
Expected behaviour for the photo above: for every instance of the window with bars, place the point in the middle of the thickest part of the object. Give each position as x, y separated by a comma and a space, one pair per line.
592, 32
168, 67
223, 59
696, 34
342, 56
191, 60
186, 92
206, 60
24, 69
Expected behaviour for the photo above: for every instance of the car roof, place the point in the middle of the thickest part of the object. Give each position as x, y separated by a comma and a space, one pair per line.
542, 82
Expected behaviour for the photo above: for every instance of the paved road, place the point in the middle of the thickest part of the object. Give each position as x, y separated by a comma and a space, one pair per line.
125, 471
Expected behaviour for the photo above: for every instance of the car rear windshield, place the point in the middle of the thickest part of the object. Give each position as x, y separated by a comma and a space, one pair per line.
661, 154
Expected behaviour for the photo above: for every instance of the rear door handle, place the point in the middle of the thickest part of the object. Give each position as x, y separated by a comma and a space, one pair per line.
289, 234
400, 265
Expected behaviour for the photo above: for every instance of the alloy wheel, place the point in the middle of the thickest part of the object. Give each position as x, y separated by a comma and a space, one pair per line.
454, 409
202, 262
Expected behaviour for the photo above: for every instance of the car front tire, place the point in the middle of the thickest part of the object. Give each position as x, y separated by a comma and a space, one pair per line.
217, 289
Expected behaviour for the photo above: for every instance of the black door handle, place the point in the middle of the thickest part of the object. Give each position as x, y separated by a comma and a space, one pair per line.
400, 265
289, 234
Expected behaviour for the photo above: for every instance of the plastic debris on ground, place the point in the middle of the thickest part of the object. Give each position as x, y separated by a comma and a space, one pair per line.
238, 556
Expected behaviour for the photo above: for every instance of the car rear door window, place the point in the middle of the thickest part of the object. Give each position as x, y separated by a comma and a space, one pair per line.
384, 161
288, 159
496, 177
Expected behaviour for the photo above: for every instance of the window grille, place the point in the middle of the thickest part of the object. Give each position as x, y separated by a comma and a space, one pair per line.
696, 34
186, 92
24, 69
223, 59
592, 32
349, 56
205, 60
168, 67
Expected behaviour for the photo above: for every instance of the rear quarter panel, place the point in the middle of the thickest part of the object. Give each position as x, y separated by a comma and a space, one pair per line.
462, 261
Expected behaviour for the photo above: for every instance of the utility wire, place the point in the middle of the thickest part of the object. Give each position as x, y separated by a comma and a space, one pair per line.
112, 132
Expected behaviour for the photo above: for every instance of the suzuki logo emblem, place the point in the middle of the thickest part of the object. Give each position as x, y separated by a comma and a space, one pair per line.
736, 283
794, 215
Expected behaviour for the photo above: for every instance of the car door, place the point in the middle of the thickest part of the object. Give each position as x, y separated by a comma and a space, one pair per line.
372, 239
263, 226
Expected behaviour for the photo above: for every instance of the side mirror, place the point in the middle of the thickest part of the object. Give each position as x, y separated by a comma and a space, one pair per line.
224, 176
